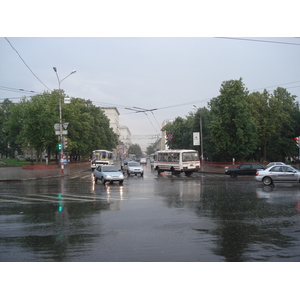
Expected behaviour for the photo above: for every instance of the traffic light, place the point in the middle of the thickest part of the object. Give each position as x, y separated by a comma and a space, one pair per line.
59, 146
296, 139
65, 143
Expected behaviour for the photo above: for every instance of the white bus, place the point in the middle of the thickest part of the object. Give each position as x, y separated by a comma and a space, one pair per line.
176, 161
101, 157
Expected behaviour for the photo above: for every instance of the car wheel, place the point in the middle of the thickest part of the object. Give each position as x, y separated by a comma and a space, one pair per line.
120, 182
267, 181
96, 179
103, 180
233, 175
142, 174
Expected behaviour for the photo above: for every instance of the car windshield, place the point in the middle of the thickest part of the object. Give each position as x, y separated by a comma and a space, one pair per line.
109, 169
133, 164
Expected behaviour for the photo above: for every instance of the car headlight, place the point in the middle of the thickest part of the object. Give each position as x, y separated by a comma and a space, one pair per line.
108, 176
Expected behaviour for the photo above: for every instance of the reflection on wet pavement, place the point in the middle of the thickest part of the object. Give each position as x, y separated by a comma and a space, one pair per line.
204, 217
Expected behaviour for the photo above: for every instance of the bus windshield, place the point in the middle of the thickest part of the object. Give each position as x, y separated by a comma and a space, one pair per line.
190, 156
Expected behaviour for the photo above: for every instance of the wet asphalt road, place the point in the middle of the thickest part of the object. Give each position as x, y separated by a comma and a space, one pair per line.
205, 217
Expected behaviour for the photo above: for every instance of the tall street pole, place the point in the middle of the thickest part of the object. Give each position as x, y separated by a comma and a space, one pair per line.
60, 120
201, 135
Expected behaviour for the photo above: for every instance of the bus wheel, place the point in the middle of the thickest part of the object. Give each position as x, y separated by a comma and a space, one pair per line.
158, 171
173, 171
188, 173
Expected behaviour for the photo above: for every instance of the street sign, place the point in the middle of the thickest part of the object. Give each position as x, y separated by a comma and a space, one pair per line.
64, 132
65, 125
196, 138
170, 136
56, 126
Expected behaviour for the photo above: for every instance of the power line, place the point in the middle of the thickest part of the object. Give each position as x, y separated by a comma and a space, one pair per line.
278, 85
261, 41
26, 64
4, 88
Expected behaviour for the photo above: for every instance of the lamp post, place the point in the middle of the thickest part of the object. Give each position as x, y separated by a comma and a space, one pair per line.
60, 119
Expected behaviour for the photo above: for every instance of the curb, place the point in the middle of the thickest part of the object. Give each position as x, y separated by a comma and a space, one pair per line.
37, 178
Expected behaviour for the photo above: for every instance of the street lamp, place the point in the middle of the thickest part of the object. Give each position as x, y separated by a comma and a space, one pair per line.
60, 119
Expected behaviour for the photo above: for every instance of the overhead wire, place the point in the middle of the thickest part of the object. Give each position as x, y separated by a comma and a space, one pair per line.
4, 88
255, 40
26, 64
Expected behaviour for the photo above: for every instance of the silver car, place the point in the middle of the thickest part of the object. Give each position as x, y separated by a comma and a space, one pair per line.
133, 168
276, 173
108, 173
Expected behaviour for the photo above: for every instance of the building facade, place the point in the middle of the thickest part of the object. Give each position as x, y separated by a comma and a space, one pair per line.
125, 140
123, 132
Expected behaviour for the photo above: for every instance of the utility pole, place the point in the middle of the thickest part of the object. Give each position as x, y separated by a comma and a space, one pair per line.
201, 137
60, 121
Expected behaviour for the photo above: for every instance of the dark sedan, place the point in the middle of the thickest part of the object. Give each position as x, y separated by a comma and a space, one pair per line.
245, 169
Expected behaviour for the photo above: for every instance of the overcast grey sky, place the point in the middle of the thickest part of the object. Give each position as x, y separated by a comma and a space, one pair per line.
168, 74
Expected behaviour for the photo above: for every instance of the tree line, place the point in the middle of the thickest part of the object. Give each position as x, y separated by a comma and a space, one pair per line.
29, 124
246, 126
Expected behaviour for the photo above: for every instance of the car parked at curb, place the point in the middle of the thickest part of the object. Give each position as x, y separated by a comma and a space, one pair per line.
276, 173
133, 168
108, 173
275, 163
245, 169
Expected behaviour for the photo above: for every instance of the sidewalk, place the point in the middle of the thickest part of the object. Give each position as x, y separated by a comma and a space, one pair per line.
19, 174
208, 168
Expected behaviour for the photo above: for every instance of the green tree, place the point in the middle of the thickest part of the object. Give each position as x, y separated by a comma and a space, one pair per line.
14, 124
232, 128
287, 115
265, 123
31, 124
150, 149
277, 119
136, 150
182, 132
40, 115
8, 142
88, 128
